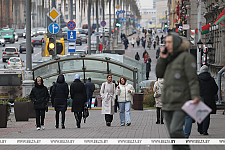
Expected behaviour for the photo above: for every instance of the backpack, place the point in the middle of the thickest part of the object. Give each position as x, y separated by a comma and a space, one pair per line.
158, 91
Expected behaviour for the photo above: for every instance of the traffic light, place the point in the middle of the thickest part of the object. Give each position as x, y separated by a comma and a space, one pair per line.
51, 46
165, 25
117, 23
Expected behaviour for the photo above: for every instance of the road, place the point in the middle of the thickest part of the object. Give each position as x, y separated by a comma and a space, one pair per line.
36, 56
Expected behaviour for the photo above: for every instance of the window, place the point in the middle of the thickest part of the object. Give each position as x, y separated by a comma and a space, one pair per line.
66, 8
66, 17
73, 8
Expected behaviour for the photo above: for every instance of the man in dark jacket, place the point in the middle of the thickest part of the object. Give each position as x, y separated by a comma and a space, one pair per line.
60, 94
178, 68
125, 42
90, 88
208, 91
148, 67
79, 96
137, 57
39, 96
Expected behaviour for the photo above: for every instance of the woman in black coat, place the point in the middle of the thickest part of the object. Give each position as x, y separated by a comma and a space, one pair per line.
39, 96
208, 91
60, 94
148, 67
79, 96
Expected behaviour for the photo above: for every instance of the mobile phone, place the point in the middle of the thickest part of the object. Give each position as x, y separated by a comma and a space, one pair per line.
165, 51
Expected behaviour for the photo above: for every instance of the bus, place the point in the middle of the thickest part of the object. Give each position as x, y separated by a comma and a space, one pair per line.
60, 47
8, 35
11, 84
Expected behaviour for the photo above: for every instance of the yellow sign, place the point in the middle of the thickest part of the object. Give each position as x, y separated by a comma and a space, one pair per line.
19, 75
135, 16
117, 7
53, 14
130, 12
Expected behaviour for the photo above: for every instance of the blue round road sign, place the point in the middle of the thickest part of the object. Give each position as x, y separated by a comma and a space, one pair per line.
71, 25
103, 23
53, 28
118, 13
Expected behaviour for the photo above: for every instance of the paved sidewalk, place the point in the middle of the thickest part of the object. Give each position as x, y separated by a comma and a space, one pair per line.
143, 126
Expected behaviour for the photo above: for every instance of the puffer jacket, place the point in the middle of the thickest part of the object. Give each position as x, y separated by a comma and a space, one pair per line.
39, 95
123, 94
60, 94
180, 76
158, 84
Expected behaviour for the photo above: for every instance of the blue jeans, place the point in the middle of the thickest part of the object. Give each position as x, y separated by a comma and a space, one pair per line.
89, 99
187, 126
124, 109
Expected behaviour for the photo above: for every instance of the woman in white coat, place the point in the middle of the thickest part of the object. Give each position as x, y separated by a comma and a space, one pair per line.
108, 94
125, 93
158, 84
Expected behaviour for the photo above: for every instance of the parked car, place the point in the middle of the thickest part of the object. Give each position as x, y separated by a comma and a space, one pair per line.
83, 37
15, 63
20, 32
78, 40
9, 52
37, 41
2, 41
41, 31
34, 32
23, 47
81, 52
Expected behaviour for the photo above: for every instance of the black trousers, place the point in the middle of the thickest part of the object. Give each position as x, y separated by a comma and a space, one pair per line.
40, 114
57, 117
158, 112
78, 116
116, 104
204, 126
108, 118
147, 75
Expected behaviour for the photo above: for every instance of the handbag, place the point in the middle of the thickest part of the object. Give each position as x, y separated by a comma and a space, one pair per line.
85, 112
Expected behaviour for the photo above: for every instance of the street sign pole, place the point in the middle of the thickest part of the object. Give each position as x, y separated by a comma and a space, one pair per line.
97, 26
28, 37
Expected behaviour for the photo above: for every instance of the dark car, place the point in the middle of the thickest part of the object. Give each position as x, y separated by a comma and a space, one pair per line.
83, 37
37, 41
20, 32
78, 40
23, 47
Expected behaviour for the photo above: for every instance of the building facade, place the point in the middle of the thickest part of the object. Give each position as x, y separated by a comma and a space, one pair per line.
6, 14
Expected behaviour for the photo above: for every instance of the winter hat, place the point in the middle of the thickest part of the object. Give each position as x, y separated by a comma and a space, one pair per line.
76, 77
204, 68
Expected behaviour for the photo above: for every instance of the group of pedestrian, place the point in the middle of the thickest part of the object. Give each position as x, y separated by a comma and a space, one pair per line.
181, 83
81, 95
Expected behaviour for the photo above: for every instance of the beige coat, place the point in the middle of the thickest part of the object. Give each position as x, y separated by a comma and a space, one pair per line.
147, 36
108, 94
158, 83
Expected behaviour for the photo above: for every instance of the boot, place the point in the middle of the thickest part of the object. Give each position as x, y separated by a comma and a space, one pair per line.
77, 119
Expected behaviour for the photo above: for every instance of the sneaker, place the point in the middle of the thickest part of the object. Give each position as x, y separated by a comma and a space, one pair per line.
38, 128
129, 123
42, 127
122, 124
162, 122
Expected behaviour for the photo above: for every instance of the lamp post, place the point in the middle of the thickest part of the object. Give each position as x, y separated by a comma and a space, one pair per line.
199, 44
209, 45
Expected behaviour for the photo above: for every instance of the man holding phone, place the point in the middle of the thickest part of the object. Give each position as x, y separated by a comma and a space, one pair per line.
178, 68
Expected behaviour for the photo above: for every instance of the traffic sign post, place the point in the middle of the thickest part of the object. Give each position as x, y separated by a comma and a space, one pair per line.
53, 28
103, 23
53, 14
118, 13
72, 46
71, 25
71, 35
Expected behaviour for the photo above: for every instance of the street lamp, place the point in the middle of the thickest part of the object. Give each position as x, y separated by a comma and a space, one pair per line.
199, 44
209, 44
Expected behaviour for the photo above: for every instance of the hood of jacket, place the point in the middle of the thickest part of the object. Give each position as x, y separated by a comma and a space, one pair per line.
61, 79
180, 45
205, 76
36, 84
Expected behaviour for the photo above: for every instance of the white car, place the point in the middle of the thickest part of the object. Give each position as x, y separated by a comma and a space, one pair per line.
2, 41
14, 62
